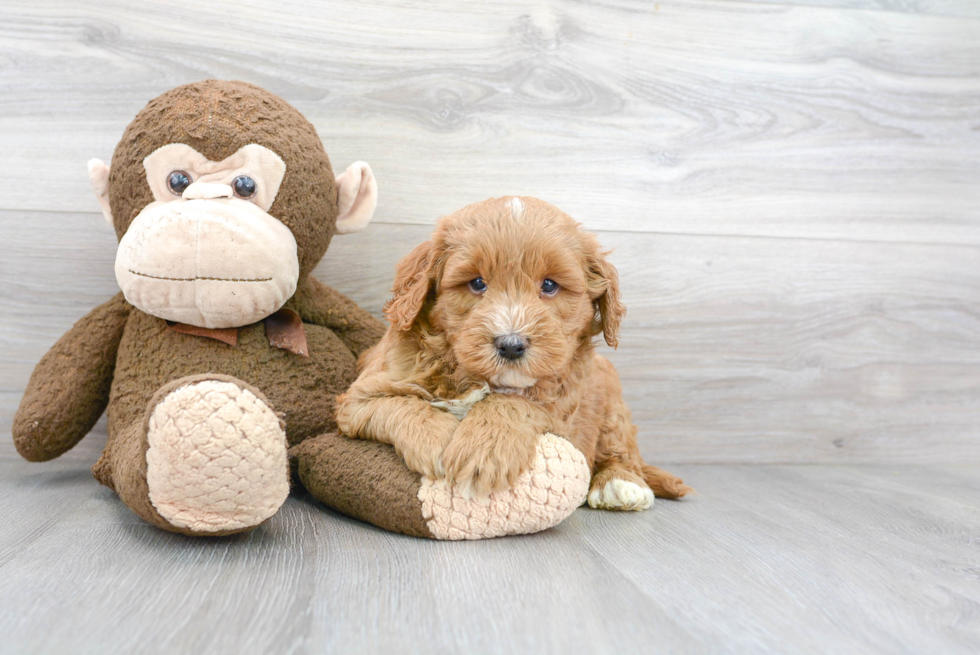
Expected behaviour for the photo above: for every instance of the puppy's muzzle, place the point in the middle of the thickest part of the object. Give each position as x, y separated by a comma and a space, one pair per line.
510, 346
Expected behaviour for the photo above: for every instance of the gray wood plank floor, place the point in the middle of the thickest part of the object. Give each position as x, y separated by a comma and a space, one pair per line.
774, 559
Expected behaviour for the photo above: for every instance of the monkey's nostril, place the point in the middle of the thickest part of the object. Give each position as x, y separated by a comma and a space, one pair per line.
510, 346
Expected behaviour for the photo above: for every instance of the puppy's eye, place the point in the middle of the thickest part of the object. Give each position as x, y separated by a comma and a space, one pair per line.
177, 181
549, 287
244, 186
477, 285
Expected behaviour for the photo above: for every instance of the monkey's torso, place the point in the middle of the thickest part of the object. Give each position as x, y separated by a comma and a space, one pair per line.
302, 389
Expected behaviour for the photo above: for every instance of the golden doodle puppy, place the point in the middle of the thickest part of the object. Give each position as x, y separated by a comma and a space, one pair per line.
491, 344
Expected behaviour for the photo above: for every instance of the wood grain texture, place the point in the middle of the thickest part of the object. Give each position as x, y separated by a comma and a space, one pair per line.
960, 8
791, 187
776, 559
733, 349
694, 116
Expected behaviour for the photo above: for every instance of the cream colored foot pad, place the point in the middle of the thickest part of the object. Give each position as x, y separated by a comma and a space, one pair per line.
542, 497
216, 459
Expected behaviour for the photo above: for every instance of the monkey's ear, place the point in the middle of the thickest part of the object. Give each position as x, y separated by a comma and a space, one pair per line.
98, 175
357, 196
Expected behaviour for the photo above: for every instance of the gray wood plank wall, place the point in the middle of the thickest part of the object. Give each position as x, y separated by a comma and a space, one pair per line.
792, 188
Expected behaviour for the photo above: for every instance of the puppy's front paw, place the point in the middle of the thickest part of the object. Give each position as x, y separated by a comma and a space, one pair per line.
480, 464
422, 448
621, 495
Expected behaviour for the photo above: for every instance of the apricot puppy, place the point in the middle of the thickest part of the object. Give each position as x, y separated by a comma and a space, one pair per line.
491, 344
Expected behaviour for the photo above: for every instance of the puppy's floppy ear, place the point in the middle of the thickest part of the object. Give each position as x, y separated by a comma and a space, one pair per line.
411, 287
603, 282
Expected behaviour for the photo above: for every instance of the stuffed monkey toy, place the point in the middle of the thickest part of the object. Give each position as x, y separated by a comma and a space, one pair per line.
221, 358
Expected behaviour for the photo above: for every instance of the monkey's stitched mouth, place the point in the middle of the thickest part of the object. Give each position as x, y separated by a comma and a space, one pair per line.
192, 279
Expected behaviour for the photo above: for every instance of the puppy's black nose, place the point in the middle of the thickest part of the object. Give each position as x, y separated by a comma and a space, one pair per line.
510, 346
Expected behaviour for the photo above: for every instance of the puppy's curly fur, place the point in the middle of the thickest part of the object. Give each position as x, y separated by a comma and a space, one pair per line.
443, 350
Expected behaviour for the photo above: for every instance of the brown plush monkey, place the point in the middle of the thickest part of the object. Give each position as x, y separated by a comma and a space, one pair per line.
222, 351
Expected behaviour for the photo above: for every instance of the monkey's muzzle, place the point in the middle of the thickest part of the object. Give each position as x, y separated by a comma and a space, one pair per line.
210, 263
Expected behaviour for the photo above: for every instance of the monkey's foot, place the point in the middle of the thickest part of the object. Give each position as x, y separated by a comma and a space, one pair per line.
542, 497
369, 481
216, 458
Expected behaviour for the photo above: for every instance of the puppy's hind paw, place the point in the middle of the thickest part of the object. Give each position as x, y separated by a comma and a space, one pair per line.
621, 495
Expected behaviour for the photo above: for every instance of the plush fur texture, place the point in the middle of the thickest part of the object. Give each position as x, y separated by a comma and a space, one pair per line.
215, 455
69, 388
216, 118
368, 480
371, 483
441, 346
555, 484
124, 359
187, 461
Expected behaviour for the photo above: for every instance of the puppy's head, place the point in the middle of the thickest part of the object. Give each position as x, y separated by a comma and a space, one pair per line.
514, 285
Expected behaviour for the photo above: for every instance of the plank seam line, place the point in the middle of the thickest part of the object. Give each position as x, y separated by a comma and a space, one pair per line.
666, 233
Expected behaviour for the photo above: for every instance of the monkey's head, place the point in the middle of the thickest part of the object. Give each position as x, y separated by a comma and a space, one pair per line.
223, 200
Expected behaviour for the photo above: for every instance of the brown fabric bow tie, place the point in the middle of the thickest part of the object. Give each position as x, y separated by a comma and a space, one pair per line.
284, 329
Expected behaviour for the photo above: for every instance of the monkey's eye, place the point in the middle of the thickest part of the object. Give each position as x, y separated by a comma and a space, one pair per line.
244, 186
177, 181
477, 285
549, 287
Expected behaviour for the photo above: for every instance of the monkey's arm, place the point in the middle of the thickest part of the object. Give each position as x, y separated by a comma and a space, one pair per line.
69, 388
318, 303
